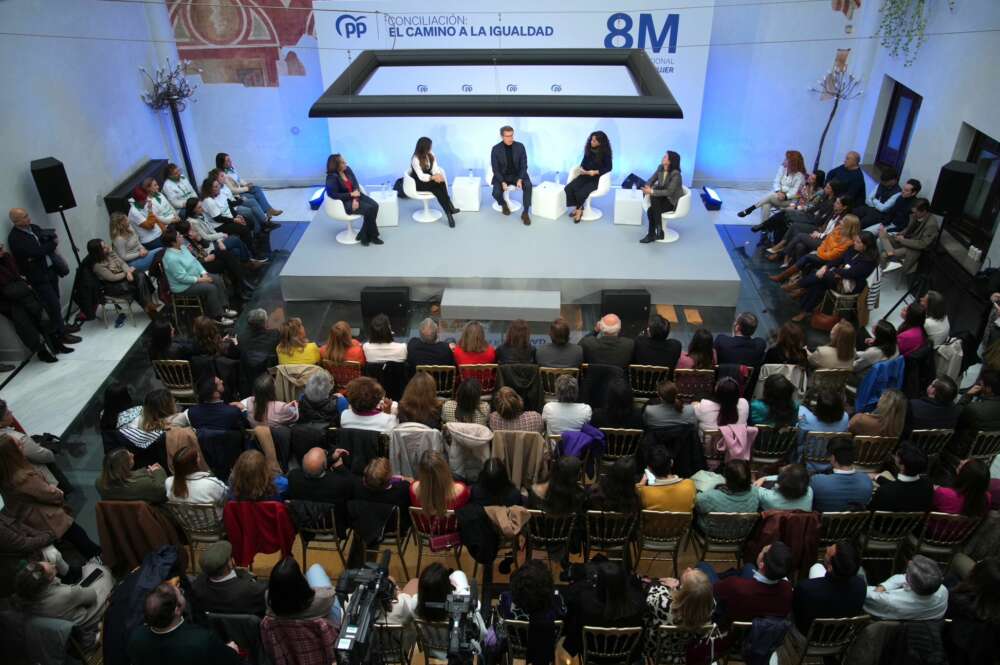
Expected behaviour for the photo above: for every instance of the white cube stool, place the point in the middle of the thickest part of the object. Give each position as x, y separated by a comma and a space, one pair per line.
466, 192
548, 200
628, 207
388, 207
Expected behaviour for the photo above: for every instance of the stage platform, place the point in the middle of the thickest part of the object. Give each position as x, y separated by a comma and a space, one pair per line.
487, 250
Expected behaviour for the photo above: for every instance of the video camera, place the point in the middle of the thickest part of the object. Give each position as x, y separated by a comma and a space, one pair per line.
463, 631
370, 590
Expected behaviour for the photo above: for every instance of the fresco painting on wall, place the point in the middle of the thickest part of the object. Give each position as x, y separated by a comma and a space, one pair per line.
240, 41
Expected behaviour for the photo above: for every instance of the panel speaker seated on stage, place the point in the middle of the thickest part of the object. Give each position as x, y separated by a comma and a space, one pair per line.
509, 161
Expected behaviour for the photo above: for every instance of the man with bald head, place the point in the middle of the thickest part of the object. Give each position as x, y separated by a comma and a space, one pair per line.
33, 248
323, 479
606, 346
849, 173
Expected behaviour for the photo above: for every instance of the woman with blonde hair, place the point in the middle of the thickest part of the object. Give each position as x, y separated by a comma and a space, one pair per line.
839, 353
120, 481
835, 245
341, 346
510, 413
142, 427
472, 348
420, 403
435, 489
687, 603
788, 181
294, 347
252, 479
886, 420
125, 242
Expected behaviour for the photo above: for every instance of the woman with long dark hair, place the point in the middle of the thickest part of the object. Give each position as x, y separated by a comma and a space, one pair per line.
789, 348
970, 494
609, 596
264, 408
881, 346
429, 177
700, 353
777, 406
493, 487
119, 279
911, 334
164, 345
936, 324
619, 408
435, 489
292, 595
467, 407
516, 347
725, 408
595, 163
207, 340
615, 492
561, 494
342, 184
420, 403
664, 190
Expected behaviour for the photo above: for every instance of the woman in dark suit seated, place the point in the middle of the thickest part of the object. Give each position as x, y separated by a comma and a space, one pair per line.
849, 273
342, 184
596, 162
664, 189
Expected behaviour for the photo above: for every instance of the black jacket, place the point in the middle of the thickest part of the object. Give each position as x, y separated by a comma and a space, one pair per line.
334, 486
607, 350
419, 352
925, 413
243, 594
739, 350
903, 497
32, 251
498, 160
662, 352
827, 598
336, 189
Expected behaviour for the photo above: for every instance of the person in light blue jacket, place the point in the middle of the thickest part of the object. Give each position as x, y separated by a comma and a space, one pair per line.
790, 492
187, 277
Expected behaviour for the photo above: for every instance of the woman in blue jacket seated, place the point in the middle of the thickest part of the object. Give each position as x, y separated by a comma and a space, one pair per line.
596, 162
342, 184
848, 274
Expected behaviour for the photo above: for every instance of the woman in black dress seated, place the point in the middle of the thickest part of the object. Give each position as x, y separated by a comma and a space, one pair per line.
848, 274
342, 184
430, 178
596, 162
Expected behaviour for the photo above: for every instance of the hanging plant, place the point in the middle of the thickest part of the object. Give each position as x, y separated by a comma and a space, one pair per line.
901, 26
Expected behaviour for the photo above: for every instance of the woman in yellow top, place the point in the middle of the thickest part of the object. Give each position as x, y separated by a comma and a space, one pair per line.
660, 489
294, 348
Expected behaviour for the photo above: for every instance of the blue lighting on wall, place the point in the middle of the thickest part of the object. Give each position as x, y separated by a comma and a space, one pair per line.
316, 200
710, 198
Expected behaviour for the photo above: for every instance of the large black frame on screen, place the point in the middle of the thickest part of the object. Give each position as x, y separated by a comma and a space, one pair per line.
653, 99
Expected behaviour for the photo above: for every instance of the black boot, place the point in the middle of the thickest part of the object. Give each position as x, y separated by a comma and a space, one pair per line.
659, 230
744, 213
649, 237
45, 355
451, 220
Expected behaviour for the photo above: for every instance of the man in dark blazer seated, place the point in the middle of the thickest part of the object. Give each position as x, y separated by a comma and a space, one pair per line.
980, 412
223, 588
32, 248
509, 160
656, 347
427, 349
935, 411
606, 346
911, 492
741, 348
342, 184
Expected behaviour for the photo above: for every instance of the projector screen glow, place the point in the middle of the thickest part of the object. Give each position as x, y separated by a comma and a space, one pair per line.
612, 80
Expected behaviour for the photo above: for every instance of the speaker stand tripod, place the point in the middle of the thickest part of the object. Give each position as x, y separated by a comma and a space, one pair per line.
76, 255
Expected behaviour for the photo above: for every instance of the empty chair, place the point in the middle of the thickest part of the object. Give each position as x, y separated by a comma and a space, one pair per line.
613, 533
316, 522
662, 532
772, 446
694, 384
834, 527
620, 442
343, 372
176, 376
200, 524
389, 644
609, 645
643, 379
886, 533
444, 378
932, 442
547, 532
873, 452
427, 215
334, 209
724, 533
830, 639
941, 537
985, 447
432, 636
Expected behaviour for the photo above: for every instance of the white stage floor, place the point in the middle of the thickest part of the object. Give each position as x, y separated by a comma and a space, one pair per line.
489, 251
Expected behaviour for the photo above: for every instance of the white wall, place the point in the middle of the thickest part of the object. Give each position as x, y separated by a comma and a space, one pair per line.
76, 100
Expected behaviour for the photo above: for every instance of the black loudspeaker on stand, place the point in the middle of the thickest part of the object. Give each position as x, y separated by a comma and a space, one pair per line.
393, 301
55, 192
631, 306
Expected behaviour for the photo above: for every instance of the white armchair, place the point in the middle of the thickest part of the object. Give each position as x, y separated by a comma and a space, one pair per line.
428, 215
334, 209
513, 205
682, 210
591, 214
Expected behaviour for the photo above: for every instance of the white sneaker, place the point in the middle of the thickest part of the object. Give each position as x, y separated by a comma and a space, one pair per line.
892, 265
231, 313
225, 322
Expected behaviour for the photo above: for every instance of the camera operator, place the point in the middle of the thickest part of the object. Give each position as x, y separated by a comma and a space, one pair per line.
433, 589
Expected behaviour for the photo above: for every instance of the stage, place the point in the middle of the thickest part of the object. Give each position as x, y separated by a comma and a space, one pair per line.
487, 250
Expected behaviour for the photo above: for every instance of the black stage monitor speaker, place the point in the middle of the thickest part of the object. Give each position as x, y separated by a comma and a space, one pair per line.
393, 301
53, 185
631, 306
953, 186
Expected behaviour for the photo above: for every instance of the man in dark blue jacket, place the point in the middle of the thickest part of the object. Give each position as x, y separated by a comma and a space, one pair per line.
509, 160
741, 348
850, 174
212, 413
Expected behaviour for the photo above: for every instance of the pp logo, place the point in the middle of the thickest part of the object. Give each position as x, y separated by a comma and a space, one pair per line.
620, 30
350, 26
421, 88
511, 87
556, 87
466, 88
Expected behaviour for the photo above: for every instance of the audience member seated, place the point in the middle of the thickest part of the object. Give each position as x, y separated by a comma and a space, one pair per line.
847, 273
201, 232
294, 347
970, 494
619, 408
911, 491
32, 501
206, 340
788, 181
141, 217
251, 194
19, 541
736, 495
687, 603
881, 200
380, 347
760, 591
667, 409
777, 406
935, 411
166, 635
560, 493
741, 348
190, 484
533, 598
215, 201
258, 346
845, 488
119, 482
252, 479
341, 346
911, 335
187, 277
435, 489
801, 239
700, 353
917, 595
980, 411
264, 407
903, 250
493, 487
566, 413
974, 611
725, 408
615, 491
886, 420
420, 403
41, 457
142, 427
427, 349
320, 479
661, 489
292, 595
467, 407
212, 413
472, 347
379, 485
826, 415
895, 214
369, 407
126, 243
40, 592
851, 175
319, 403
118, 279
516, 347
936, 322
559, 352
176, 187
839, 353
881, 347
655, 347
164, 344
605, 346
790, 491
435, 585
816, 216
510, 414
609, 597
789, 348
218, 259
223, 588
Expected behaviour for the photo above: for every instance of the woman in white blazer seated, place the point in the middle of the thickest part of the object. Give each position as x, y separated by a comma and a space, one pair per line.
785, 189
430, 178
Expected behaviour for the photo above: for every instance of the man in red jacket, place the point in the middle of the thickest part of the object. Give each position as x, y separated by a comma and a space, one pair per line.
757, 592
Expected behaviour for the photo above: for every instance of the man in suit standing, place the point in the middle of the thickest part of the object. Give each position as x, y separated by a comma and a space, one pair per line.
741, 348
509, 160
32, 249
